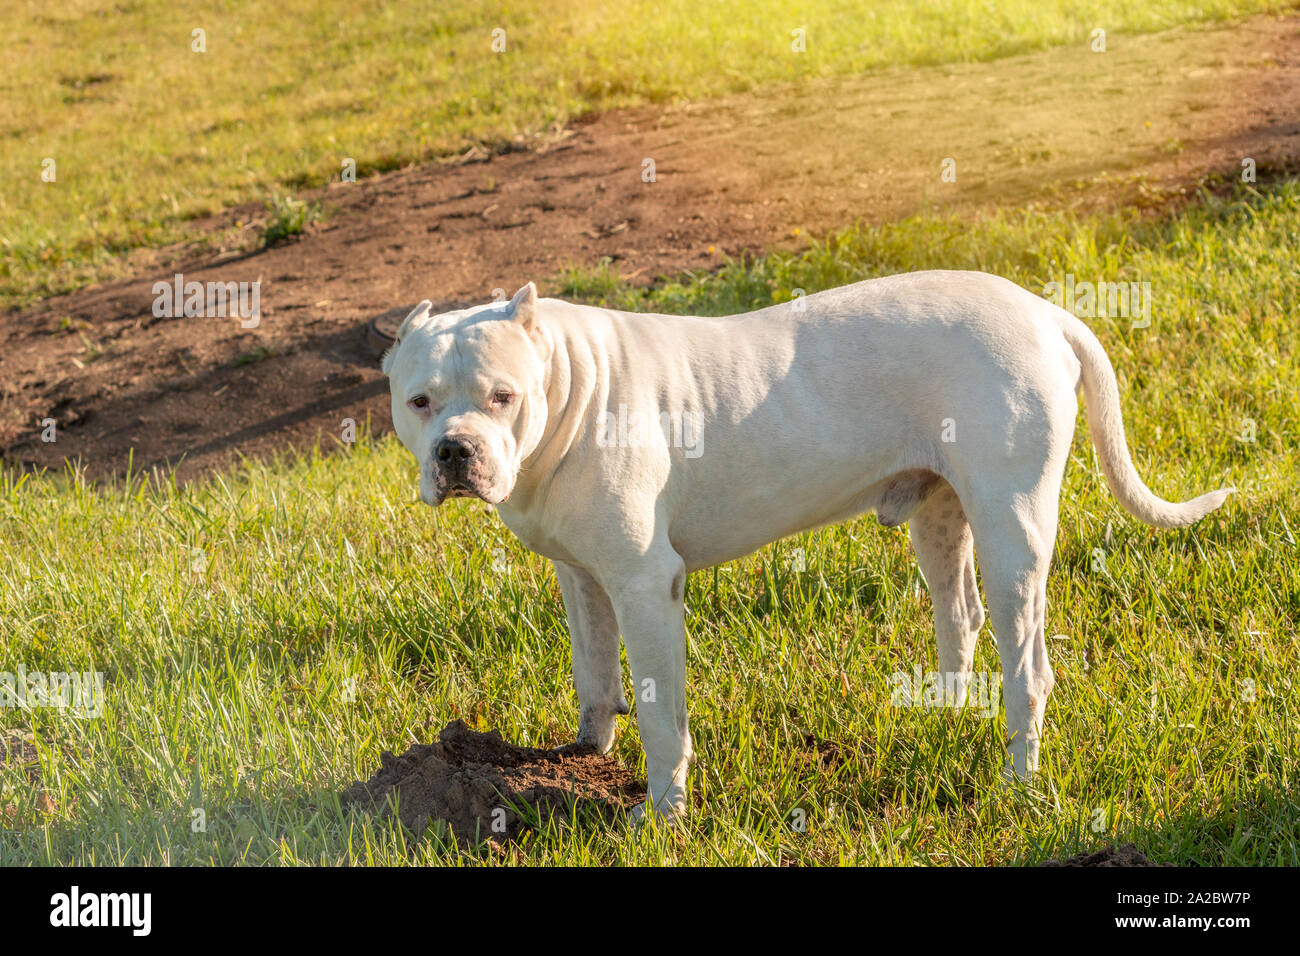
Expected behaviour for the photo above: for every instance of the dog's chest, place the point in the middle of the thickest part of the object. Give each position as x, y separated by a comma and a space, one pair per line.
534, 534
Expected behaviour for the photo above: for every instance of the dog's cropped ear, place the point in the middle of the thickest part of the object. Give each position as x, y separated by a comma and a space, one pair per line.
419, 312
523, 307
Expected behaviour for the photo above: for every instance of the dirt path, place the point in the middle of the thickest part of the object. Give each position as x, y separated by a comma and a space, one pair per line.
1141, 123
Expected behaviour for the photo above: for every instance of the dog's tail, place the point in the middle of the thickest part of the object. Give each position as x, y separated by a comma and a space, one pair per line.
1107, 426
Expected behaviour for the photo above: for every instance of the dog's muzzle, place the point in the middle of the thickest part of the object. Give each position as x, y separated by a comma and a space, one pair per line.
459, 464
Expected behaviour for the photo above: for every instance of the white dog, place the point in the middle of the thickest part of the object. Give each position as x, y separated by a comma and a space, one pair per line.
944, 399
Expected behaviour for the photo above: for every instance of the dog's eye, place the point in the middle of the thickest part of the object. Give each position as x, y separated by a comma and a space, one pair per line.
420, 402
502, 397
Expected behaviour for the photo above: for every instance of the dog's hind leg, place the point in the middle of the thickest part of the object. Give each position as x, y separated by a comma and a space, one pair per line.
1014, 534
944, 546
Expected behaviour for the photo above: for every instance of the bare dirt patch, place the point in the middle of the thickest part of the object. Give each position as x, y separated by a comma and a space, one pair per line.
1140, 124
484, 788
18, 750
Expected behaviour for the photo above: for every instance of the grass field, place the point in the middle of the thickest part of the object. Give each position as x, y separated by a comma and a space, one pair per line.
146, 135
235, 616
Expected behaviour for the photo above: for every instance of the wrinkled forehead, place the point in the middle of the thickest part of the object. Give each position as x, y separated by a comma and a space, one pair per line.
458, 349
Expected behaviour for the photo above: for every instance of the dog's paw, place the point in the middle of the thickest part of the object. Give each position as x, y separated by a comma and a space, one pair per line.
1013, 779
578, 749
597, 727
666, 812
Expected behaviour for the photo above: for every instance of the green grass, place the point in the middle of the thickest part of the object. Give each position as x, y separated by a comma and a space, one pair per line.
288, 218
146, 134
1173, 723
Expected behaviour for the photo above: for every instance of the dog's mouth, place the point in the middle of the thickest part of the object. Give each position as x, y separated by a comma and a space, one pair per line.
439, 486
445, 489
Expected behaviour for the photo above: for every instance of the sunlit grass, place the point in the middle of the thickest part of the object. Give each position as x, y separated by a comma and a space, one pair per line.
231, 614
146, 134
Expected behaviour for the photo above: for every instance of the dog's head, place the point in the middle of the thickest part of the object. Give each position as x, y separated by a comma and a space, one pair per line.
468, 393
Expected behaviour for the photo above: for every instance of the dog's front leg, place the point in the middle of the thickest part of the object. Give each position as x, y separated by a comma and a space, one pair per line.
651, 615
597, 676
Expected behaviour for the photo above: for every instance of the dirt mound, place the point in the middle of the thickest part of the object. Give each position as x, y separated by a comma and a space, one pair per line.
485, 788
1126, 855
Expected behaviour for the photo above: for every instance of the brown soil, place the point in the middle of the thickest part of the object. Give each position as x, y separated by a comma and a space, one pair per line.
1126, 855
825, 753
478, 784
1140, 124
18, 747
18, 750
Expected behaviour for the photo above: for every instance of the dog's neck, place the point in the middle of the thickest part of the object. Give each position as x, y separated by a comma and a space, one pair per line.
569, 384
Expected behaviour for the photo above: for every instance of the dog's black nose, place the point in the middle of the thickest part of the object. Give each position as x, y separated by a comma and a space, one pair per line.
455, 450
